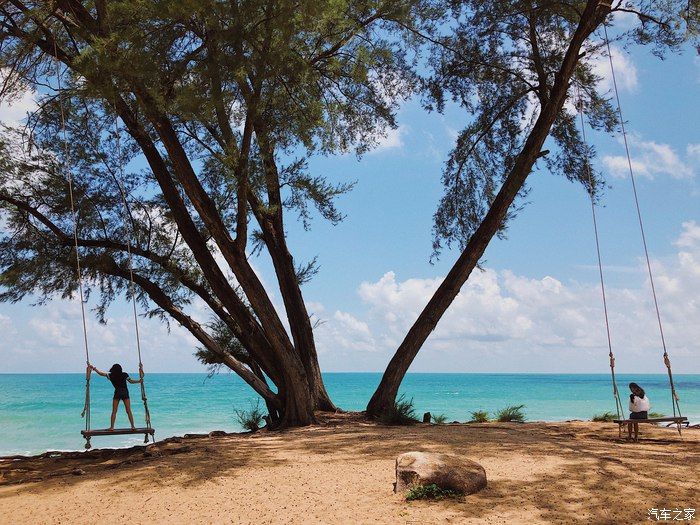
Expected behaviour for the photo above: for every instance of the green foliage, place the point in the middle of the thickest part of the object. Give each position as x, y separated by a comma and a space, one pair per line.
307, 77
512, 413
252, 418
439, 419
480, 416
326, 81
431, 492
402, 413
655, 415
305, 272
501, 76
604, 417
227, 341
185, 78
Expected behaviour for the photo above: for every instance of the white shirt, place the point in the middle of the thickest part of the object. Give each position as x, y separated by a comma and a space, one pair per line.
639, 404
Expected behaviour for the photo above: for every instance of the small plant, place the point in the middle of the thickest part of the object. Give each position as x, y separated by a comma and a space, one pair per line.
432, 492
480, 416
251, 419
512, 414
655, 415
402, 413
606, 417
440, 420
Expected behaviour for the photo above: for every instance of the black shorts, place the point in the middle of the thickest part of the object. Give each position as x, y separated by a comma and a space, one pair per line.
123, 393
639, 415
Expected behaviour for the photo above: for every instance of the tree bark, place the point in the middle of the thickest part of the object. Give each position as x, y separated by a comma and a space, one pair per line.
161, 299
272, 226
283, 359
385, 395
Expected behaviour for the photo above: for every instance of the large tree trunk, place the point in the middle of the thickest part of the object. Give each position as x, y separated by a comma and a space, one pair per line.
385, 395
299, 403
272, 226
300, 324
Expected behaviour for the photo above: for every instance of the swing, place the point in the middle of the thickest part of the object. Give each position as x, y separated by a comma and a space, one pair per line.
88, 433
678, 419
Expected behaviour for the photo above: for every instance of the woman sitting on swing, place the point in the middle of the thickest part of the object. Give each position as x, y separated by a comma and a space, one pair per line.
118, 378
639, 407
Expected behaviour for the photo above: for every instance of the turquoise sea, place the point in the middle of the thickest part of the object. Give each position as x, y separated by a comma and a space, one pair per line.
40, 412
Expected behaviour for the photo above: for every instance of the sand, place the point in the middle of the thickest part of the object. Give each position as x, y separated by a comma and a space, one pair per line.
342, 472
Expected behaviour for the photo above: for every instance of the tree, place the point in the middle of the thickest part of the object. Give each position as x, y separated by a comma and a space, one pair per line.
520, 68
197, 116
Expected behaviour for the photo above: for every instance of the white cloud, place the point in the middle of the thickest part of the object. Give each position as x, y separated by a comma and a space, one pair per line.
619, 166
625, 71
6, 325
624, 20
503, 321
693, 152
391, 139
690, 237
345, 335
499, 321
50, 339
51, 332
12, 112
650, 159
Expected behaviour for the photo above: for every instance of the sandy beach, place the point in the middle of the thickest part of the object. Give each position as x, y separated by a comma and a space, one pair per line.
342, 472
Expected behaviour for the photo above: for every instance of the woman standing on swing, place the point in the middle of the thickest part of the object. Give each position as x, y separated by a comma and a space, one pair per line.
118, 378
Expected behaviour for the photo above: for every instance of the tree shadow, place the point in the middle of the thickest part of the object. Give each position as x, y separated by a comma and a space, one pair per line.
557, 473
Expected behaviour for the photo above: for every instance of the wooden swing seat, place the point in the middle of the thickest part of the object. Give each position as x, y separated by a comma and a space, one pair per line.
117, 431
679, 421
676, 420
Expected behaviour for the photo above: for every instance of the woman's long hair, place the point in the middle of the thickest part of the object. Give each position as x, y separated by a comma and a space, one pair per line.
637, 390
116, 370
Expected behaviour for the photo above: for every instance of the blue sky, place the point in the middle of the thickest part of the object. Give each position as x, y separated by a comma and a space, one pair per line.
536, 307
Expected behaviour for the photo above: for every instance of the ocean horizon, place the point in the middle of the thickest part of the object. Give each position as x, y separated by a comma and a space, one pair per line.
41, 412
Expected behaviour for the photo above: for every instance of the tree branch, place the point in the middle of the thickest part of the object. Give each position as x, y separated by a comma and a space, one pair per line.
160, 298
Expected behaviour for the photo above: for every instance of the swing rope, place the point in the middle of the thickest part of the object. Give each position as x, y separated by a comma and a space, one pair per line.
69, 177
132, 288
591, 193
674, 396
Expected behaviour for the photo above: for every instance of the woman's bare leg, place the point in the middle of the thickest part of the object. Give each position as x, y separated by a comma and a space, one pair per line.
636, 431
629, 430
127, 406
115, 406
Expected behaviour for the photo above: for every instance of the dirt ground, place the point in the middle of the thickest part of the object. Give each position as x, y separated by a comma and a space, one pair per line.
343, 471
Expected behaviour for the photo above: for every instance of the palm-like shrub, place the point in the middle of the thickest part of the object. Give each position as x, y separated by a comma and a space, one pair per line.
402, 413
480, 416
251, 419
513, 414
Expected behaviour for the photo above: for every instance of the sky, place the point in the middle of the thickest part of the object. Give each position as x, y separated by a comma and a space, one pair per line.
536, 305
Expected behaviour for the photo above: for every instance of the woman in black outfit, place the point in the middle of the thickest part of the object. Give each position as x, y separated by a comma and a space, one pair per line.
118, 378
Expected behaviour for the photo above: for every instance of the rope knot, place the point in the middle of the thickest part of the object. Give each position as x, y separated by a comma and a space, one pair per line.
667, 361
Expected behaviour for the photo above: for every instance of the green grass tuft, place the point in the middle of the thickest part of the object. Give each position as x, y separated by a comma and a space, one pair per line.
604, 417
655, 415
440, 420
402, 413
480, 416
251, 419
431, 492
512, 414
